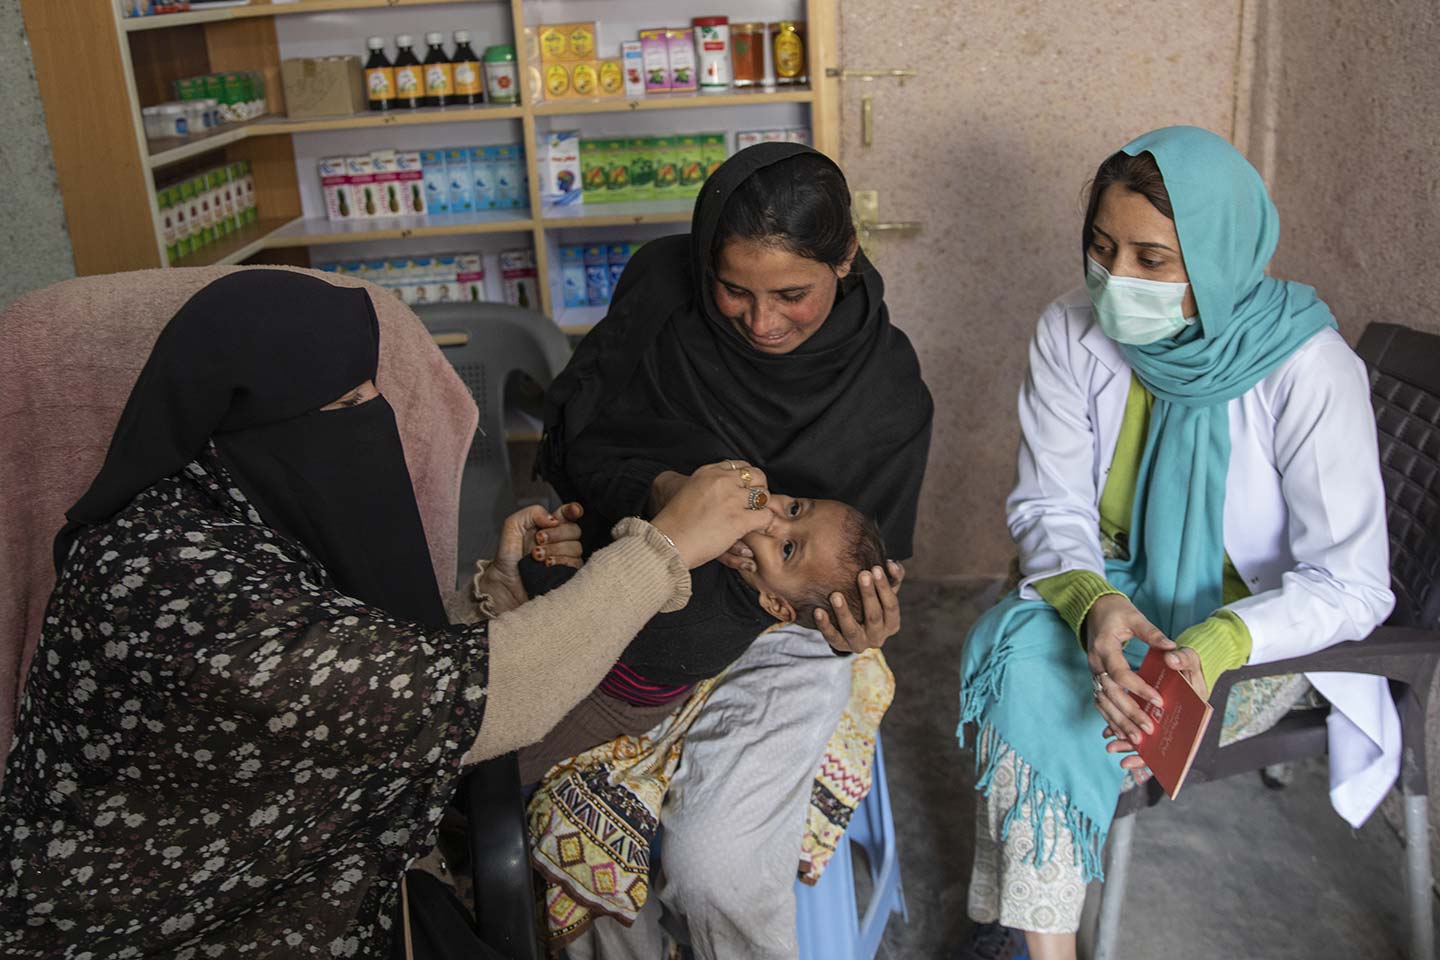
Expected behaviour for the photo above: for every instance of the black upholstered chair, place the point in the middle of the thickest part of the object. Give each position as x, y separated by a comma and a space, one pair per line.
1405, 391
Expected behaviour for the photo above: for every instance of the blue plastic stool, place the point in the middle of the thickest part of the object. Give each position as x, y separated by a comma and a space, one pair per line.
827, 919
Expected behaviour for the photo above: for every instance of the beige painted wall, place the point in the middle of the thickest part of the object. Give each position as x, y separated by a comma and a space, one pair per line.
1348, 136
1345, 124
1016, 106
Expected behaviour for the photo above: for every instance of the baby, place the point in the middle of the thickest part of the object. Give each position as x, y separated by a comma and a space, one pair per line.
811, 550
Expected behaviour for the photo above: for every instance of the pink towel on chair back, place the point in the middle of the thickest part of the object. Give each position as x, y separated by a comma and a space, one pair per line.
69, 355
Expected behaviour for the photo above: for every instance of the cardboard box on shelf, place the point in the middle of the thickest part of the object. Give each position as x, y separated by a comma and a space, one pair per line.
517, 272
617, 169
334, 184
667, 168
323, 87
585, 78
690, 163
562, 42
511, 181
387, 183
437, 187
593, 171
612, 78
579, 79
632, 61
641, 153
681, 44
462, 186
412, 182
364, 199
655, 60
557, 81
470, 274
712, 146
482, 175
559, 167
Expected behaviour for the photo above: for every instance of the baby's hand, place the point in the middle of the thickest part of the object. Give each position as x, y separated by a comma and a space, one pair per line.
881, 608
739, 557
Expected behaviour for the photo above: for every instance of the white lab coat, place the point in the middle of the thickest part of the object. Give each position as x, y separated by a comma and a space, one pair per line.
1304, 512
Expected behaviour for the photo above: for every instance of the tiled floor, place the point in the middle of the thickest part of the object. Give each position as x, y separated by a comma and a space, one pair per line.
1231, 870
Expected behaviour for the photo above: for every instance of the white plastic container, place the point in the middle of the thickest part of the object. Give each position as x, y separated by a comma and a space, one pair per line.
712, 50
167, 120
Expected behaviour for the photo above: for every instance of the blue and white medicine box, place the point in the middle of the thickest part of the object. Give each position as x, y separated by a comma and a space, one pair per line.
437, 187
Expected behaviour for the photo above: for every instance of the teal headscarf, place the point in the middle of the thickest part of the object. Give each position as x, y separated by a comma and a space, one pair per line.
1249, 323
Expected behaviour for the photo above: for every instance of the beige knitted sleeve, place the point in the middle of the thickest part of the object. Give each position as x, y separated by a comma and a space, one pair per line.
548, 654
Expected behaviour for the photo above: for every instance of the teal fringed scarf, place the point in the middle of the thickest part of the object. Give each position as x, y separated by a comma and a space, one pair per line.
1020, 654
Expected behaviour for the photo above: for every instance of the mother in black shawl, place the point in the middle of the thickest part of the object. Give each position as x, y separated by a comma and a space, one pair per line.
761, 335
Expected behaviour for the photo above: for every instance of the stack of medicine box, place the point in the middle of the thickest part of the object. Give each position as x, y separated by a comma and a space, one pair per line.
395, 183
569, 67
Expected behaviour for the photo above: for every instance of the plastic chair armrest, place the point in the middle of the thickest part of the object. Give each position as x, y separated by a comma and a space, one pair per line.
500, 858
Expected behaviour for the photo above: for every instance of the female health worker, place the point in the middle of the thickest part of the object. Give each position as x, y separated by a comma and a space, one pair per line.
1197, 473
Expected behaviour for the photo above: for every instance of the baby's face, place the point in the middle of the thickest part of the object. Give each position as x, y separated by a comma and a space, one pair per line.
802, 546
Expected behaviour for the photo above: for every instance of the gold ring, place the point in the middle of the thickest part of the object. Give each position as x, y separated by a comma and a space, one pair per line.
758, 499
746, 477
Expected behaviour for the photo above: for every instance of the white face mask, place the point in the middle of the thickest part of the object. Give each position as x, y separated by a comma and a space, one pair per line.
1135, 311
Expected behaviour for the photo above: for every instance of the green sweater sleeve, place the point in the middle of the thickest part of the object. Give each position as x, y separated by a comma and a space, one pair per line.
1222, 641
1073, 593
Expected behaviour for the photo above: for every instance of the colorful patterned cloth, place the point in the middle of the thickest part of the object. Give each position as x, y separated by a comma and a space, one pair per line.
595, 816
845, 769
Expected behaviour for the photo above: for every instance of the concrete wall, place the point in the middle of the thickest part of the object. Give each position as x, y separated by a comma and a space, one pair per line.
990, 147
1348, 136
34, 245
1345, 125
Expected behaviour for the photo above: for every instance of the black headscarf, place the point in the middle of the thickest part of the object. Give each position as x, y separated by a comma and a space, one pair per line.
665, 378
249, 361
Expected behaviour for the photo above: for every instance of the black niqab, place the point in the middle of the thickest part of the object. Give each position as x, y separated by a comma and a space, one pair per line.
665, 378
248, 362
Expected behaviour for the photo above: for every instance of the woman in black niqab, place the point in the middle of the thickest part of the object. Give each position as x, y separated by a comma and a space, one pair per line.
251, 360
245, 714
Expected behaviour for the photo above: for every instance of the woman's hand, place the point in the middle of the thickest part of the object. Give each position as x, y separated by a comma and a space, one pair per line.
1112, 621
550, 538
711, 510
662, 489
881, 603
1187, 661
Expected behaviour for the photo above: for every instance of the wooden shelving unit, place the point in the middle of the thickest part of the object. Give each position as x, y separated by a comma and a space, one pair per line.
108, 171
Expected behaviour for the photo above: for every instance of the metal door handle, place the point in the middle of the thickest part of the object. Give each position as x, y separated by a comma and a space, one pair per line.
894, 226
896, 73
866, 208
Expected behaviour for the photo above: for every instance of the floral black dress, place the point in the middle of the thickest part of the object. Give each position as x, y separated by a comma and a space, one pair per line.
218, 754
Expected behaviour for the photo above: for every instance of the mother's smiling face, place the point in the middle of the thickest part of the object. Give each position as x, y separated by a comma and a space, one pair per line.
772, 297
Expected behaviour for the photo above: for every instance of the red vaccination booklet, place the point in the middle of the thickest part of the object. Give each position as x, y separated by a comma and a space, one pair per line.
1179, 724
